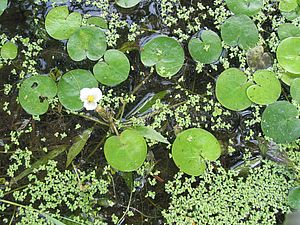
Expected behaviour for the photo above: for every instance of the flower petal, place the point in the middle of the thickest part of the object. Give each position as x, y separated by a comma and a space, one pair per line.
84, 93
90, 105
97, 93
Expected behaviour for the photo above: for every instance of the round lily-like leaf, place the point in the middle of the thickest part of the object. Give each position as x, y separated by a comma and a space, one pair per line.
292, 14
267, 88
288, 54
280, 122
126, 152
34, 93
288, 5
294, 198
165, 53
287, 77
3, 5
69, 87
97, 21
87, 42
287, 30
240, 30
127, 3
231, 89
192, 147
9, 50
60, 24
207, 48
295, 90
244, 7
114, 70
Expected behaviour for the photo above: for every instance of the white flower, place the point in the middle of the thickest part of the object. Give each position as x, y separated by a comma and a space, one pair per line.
90, 97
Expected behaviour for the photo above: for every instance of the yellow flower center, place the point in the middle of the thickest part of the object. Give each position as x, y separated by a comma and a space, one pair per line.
90, 98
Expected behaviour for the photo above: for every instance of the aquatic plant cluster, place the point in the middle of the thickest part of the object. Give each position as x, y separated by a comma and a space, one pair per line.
150, 112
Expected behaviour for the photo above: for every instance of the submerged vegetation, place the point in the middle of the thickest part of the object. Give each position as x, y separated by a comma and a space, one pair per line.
149, 112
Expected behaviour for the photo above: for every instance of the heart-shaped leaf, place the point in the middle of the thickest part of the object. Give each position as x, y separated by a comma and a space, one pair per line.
294, 198
35, 92
9, 50
257, 58
287, 30
288, 5
287, 77
114, 70
295, 90
126, 152
127, 3
245, 7
60, 24
165, 53
288, 54
292, 14
267, 88
97, 21
87, 42
192, 147
206, 48
280, 122
231, 89
69, 87
240, 30
3, 5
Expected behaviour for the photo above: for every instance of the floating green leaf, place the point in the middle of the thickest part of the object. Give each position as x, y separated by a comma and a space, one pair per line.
60, 24
3, 5
206, 48
288, 54
231, 89
287, 77
149, 133
294, 198
78, 144
288, 5
295, 90
35, 92
280, 122
292, 14
165, 53
240, 30
127, 3
114, 70
9, 50
287, 30
87, 42
245, 7
267, 88
192, 148
97, 21
70, 85
126, 152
